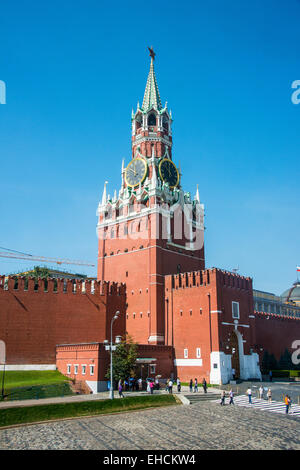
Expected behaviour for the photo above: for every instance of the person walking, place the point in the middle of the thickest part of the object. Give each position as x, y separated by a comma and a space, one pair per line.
191, 385
157, 383
196, 386
178, 385
140, 382
269, 395
231, 397
204, 385
151, 385
261, 392
170, 386
223, 394
120, 389
249, 393
270, 375
287, 404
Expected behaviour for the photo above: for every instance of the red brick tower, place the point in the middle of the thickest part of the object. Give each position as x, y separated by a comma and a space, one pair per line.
151, 228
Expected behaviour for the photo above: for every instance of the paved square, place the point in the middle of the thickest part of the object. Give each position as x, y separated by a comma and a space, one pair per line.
199, 426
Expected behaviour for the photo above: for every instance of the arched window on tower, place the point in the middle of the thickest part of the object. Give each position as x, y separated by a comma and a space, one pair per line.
165, 123
152, 120
138, 120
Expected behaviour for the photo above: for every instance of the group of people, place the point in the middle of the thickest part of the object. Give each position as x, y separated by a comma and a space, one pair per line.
223, 395
195, 385
134, 385
287, 399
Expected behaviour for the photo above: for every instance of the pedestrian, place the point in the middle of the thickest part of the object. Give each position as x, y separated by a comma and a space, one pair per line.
157, 383
290, 402
131, 384
261, 392
178, 385
121, 390
170, 385
223, 394
287, 403
148, 386
196, 386
269, 395
270, 375
151, 385
204, 384
140, 382
231, 397
249, 393
191, 385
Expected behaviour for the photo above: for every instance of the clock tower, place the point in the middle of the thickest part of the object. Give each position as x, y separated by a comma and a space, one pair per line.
150, 228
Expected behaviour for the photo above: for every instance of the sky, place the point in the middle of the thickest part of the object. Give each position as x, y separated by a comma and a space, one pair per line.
74, 70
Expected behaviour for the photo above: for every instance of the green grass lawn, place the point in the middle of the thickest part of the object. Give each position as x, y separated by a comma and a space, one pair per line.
22, 385
31, 414
31, 377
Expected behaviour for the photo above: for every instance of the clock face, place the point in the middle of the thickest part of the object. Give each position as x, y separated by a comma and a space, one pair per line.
135, 172
169, 173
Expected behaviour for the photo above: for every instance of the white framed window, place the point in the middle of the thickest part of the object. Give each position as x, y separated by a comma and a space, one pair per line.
198, 353
69, 369
235, 310
152, 368
83, 369
186, 353
92, 370
76, 369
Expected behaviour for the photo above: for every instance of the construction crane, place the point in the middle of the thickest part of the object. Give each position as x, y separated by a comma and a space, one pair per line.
13, 254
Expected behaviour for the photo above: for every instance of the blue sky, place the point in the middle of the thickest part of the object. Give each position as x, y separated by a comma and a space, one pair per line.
75, 69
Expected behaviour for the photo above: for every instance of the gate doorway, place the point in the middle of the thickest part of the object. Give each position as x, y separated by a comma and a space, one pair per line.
234, 350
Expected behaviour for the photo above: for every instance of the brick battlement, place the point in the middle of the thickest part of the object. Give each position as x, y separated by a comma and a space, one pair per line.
206, 277
274, 316
58, 286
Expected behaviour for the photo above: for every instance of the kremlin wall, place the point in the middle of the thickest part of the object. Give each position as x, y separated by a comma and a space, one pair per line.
189, 321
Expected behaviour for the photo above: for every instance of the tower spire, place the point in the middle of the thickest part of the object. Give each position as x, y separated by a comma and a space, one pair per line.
151, 95
104, 197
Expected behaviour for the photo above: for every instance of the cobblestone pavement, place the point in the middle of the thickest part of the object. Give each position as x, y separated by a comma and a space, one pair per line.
200, 426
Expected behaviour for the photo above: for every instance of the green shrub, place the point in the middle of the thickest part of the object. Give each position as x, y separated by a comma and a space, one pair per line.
294, 373
286, 373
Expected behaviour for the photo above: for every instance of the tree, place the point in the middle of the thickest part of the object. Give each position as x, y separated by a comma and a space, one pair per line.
285, 361
268, 362
124, 359
38, 272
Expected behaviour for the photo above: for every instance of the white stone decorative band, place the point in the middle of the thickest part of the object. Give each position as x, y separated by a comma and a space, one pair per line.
188, 362
9, 367
156, 338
